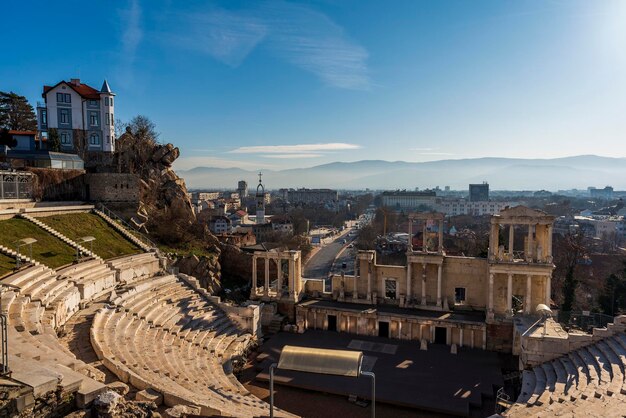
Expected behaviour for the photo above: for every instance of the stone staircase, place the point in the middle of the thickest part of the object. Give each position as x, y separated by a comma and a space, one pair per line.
276, 324
122, 230
59, 235
12, 253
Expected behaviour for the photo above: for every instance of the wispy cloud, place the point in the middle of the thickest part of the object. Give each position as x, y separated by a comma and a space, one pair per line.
130, 39
295, 149
226, 36
313, 42
296, 33
290, 156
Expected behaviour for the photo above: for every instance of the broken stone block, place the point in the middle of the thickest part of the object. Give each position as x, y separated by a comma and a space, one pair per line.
178, 411
119, 387
423, 345
453, 349
149, 395
106, 402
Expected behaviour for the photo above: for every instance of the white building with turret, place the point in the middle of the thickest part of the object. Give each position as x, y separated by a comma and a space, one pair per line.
83, 117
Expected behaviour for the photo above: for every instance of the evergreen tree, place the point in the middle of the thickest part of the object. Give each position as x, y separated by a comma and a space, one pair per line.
54, 142
16, 113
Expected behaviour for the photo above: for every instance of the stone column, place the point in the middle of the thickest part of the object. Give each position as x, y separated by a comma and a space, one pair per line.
279, 276
509, 293
266, 288
410, 243
440, 237
369, 282
549, 247
292, 276
461, 337
511, 239
485, 338
548, 289
355, 292
529, 244
424, 284
408, 280
472, 342
490, 305
439, 271
424, 240
528, 293
254, 274
494, 241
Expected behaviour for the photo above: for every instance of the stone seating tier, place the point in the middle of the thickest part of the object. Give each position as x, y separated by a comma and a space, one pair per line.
165, 336
590, 381
40, 301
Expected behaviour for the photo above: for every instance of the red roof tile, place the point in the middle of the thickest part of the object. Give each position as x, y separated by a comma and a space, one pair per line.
84, 90
14, 132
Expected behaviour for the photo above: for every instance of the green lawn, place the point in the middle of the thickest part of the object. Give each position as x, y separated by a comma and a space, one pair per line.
108, 244
7, 264
186, 249
48, 249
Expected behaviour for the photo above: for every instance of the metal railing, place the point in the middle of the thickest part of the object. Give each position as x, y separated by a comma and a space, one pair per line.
141, 237
16, 185
4, 360
583, 320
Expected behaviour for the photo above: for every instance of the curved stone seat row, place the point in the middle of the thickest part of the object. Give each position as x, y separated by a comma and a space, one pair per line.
166, 336
36, 356
135, 267
37, 301
590, 381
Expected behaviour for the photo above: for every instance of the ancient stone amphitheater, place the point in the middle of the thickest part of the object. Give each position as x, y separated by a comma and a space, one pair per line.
589, 381
158, 332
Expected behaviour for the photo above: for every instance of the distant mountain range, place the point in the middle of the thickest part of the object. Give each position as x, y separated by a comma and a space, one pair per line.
501, 174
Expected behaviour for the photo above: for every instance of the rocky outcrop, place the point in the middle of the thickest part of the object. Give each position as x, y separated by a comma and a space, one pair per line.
237, 263
206, 269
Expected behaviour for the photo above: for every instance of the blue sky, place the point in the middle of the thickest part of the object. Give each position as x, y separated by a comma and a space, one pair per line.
282, 84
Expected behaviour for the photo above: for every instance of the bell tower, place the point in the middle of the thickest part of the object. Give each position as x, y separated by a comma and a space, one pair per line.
260, 201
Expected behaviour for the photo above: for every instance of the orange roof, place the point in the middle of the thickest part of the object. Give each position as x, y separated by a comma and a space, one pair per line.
84, 90
14, 132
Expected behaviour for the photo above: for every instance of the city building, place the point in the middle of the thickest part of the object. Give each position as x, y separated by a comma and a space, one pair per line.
605, 193
82, 116
402, 200
479, 192
220, 225
242, 189
309, 196
455, 207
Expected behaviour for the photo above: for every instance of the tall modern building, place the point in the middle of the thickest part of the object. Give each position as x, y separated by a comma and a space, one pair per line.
260, 202
242, 189
479, 192
82, 116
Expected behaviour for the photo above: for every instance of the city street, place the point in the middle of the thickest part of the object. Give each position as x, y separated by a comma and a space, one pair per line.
320, 265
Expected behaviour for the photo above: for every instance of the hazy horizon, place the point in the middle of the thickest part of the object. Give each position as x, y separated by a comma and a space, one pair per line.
575, 172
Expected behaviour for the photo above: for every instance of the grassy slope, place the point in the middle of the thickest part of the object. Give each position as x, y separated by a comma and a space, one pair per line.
48, 249
108, 244
7, 264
